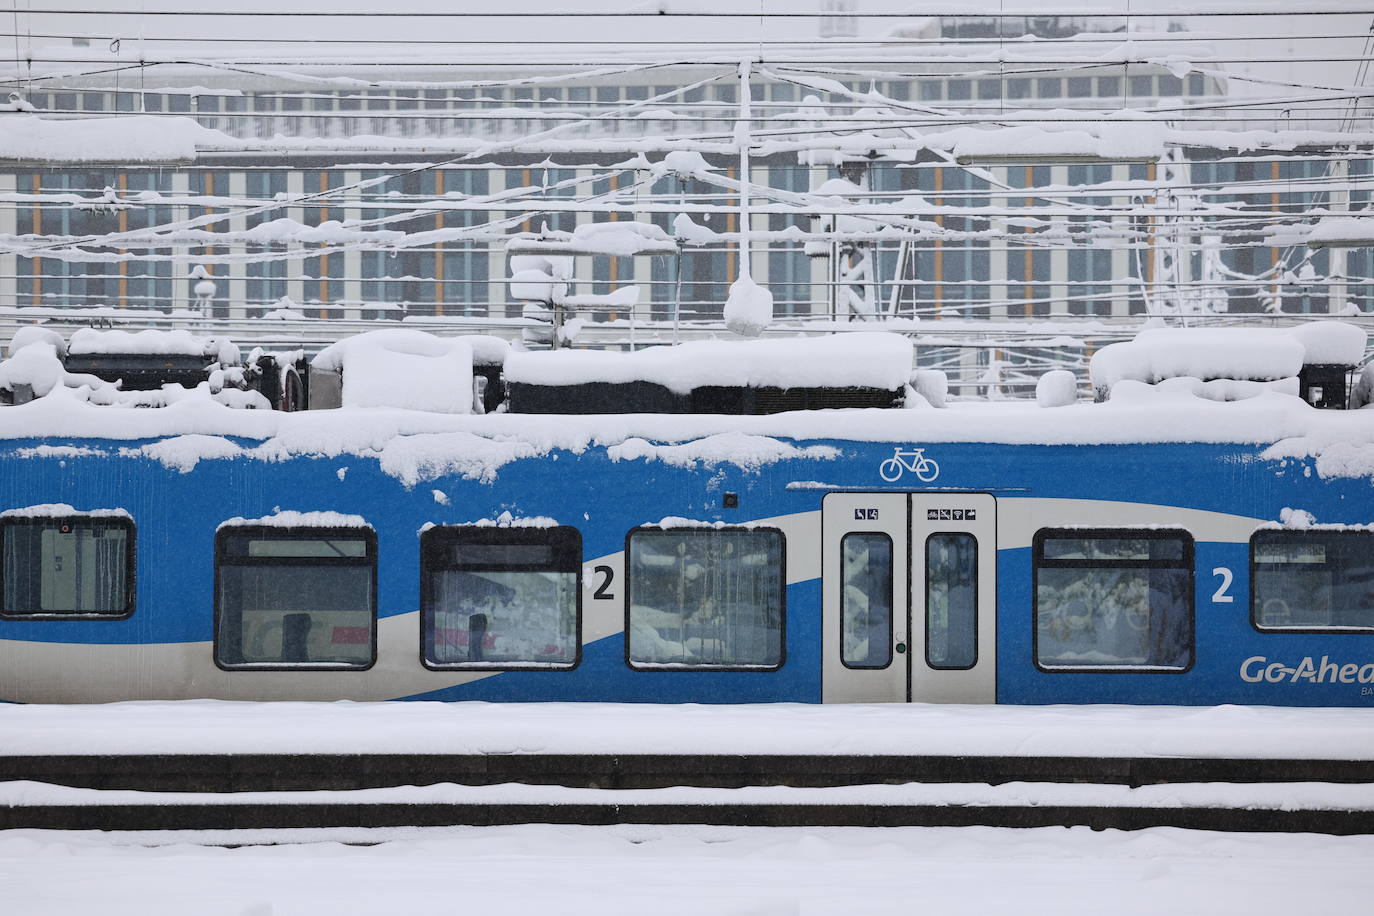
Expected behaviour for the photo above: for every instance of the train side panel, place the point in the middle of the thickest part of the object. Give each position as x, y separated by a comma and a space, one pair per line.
1219, 495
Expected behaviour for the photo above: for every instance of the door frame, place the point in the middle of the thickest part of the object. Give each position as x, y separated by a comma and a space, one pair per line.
908, 518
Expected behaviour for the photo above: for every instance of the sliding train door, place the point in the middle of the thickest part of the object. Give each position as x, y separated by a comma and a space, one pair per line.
909, 597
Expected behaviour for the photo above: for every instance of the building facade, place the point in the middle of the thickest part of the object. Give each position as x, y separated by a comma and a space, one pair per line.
474, 154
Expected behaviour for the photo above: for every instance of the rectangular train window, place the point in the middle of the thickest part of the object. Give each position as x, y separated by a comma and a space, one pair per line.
951, 601
705, 598
866, 600
500, 597
66, 566
300, 597
1312, 580
1113, 599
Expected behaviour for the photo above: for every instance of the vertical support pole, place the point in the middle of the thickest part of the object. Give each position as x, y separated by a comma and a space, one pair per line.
742, 138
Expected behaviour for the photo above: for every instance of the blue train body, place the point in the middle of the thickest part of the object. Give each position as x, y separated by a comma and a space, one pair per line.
1215, 495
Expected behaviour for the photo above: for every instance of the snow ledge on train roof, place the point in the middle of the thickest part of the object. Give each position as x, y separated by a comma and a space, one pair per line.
863, 359
152, 342
400, 368
1239, 354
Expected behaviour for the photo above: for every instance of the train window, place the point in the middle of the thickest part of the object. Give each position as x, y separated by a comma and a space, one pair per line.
951, 601
500, 597
866, 600
297, 597
71, 566
1113, 599
705, 598
1312, 579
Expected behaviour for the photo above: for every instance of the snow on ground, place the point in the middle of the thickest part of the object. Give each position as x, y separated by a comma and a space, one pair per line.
211, 727
1288, 796
665, 871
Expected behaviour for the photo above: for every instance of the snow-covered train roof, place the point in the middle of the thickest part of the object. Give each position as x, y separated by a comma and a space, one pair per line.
857, 360
1255, 354
75, 418
92, 342
416, 446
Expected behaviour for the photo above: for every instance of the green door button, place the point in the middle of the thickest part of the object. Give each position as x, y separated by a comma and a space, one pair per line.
901, 648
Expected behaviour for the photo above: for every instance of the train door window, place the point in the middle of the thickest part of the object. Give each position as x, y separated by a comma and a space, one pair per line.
67, 566
1113, 599
500, 597
866, 600
705, 598
1312, 579
299, 597
952, 600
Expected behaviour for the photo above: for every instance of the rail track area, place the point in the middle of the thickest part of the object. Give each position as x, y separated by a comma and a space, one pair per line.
245, 766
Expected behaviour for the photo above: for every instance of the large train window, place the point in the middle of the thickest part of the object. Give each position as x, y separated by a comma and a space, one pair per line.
67, 566
952, 600
1312, 579
866, 600
1113, 599
298, 597
705, 599
500, 597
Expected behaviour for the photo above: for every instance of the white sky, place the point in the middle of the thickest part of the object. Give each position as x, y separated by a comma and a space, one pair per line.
120, 22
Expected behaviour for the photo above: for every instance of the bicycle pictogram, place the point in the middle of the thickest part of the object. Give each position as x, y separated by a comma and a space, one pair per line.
913, 460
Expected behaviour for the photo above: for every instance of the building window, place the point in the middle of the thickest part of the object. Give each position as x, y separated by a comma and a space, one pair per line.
1111, 599
705, 598
866, 600
500, 597
1312, 580
66, 566
295, 597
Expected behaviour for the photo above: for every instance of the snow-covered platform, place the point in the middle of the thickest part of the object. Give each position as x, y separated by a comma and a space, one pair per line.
490, 729
217, 765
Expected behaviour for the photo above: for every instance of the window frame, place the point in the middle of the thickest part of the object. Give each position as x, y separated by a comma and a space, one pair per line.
702, 531
1270, 630
93, 520
892, 592
925, 598
286, 533
1187, 563
436, 538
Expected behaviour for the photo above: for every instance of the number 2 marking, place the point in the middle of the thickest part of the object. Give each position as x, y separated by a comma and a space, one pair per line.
1220, 595
605, 583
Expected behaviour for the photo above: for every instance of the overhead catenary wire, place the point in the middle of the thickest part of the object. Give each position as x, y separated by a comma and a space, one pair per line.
1231, 225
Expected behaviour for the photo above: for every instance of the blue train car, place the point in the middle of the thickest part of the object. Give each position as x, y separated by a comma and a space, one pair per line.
995, 553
